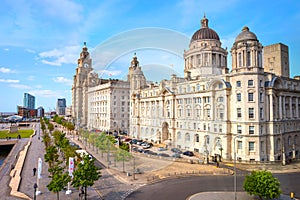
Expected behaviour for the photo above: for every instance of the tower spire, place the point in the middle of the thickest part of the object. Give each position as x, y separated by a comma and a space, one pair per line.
204, 22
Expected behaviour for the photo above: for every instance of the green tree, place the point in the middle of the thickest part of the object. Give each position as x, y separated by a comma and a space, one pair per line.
51, 156
59, 179
85, 174
122, 155
50, 127
262, 184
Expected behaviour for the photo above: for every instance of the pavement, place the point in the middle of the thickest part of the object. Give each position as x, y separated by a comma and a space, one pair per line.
24, 157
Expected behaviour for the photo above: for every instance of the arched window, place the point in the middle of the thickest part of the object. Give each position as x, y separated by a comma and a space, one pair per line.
197, 137
240, 59
178, 136
187, 137
289, 140
248, 58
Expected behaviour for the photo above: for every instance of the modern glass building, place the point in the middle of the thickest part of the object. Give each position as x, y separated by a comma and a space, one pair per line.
61, 106
29, 101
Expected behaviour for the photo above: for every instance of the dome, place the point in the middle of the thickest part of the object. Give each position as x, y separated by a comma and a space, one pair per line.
245, 35
205, 33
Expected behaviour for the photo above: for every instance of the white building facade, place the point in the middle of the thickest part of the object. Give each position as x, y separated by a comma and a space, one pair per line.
253, 108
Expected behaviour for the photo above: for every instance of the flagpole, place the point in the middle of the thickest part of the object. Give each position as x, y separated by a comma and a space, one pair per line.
71, 169
38, 192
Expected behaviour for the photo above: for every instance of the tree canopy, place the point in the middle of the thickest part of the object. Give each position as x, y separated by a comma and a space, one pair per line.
262, 184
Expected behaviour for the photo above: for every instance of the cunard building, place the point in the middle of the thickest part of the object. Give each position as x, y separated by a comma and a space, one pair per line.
252, 110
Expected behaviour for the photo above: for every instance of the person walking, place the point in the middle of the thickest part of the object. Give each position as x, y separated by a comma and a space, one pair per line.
34, 171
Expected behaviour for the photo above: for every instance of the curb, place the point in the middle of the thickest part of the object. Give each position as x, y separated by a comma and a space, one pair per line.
15, 174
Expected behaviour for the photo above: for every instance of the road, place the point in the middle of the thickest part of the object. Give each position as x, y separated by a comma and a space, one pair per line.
178, 189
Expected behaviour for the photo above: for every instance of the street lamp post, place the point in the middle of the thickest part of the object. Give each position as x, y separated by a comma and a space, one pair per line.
234, 182
34, 194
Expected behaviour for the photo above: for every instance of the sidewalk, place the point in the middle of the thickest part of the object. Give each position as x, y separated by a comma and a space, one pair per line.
228, 196
37, 150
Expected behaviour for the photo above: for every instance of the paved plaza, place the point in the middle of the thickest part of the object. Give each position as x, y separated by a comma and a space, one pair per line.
117, 180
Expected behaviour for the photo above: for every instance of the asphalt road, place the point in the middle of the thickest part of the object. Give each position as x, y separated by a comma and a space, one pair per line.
178, 189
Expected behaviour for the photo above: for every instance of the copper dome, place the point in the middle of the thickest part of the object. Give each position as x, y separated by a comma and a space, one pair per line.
205, 33
245, 35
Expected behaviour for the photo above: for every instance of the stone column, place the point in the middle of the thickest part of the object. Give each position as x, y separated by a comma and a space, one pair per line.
291, 111
271, 108
280, 107
297, 108
283, 110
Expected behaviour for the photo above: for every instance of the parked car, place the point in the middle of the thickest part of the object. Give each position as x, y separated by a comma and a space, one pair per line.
176, 155
188, 153
139, 142
176, 150
133, 141
161, 149
163, 155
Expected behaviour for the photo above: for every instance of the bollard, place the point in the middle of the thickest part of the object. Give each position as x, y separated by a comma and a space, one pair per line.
292, 195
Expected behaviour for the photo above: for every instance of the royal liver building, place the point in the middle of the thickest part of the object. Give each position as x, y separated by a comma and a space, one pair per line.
252, 110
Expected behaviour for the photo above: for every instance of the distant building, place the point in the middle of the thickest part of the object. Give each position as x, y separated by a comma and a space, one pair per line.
29, 101
69, 111
40, 112
22, 111
61, 106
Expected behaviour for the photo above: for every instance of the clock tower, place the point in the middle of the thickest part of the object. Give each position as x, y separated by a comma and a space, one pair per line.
80, 87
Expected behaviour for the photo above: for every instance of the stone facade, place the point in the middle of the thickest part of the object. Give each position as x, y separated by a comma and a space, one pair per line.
251, 110
98, 104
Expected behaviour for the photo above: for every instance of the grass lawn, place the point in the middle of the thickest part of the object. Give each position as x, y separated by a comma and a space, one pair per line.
24, 133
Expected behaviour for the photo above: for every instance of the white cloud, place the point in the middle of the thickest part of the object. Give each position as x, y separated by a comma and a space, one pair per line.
45, 93
19, 86
9, 81
6, 49
6, 70
57, 57
64, 80
30, 51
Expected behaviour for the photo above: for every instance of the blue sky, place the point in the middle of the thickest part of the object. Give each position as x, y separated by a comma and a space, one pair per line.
40, 41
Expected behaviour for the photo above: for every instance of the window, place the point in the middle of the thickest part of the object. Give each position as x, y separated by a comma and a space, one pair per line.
178, 136
261, 97
239, 112
208, 112
251, 130
239, 129
240, 145
250, 96
220, 128
238, 97
261, 111
220, 85
250, 83
220, 99
206, 99
251, 113
251, 146
289, 140
187, 137
240, 59
197, 138
238, 84
248, 58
